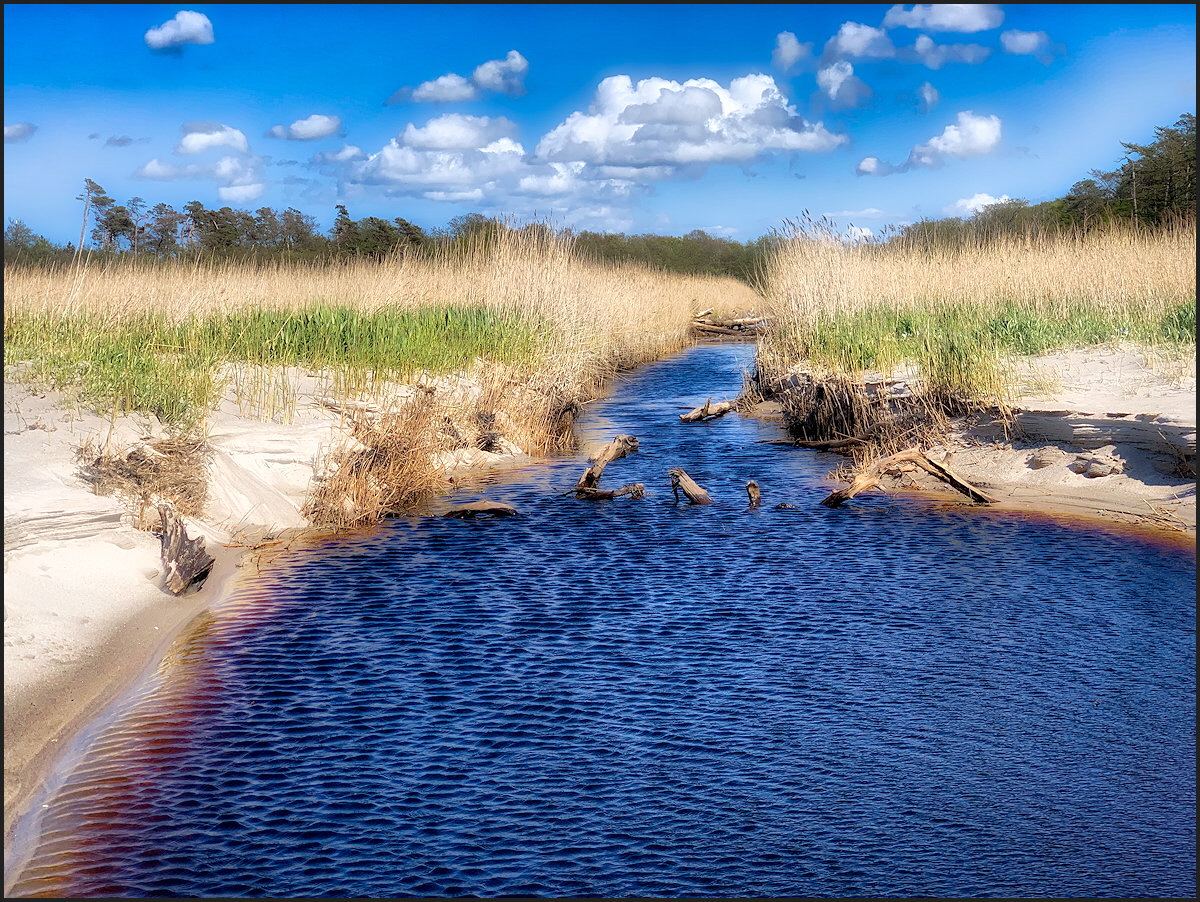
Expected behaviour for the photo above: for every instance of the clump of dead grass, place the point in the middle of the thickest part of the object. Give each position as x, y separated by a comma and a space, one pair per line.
171, 469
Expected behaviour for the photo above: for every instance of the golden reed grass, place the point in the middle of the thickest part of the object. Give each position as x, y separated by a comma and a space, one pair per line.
594, 320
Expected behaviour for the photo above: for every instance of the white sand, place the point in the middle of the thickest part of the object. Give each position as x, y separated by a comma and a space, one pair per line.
84, 607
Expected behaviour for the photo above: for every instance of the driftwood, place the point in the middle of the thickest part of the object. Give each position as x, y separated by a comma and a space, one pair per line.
871, 476
633, 490
614, 450
836, 444
184, 559
754, 493
709, 411
475, 509
681, 482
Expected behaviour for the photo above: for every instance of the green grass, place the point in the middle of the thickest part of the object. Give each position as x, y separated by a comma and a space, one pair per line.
959, 348
151, 364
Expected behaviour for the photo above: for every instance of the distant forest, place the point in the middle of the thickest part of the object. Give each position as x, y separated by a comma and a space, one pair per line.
1152, 184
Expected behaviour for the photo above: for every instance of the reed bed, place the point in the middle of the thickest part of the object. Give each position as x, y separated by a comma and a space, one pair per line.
954, 319
538, 328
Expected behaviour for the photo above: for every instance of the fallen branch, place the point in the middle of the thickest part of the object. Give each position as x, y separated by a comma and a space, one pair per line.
184, 559
681, 482
475, 509
614, 450
871, 476
633, 490
709, 411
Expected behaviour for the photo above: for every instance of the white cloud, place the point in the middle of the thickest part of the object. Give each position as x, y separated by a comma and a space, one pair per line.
929, 97
201, 136
664, 123
858, 233
240, 194
973, 136
457, 132
839, 82
1027, 43
789, 51
238, 178
18, 131
873, 166
347, 154
506, 76
855, 40
188, 27
445, 89
309, 129
936, 55
961, 17
973, 204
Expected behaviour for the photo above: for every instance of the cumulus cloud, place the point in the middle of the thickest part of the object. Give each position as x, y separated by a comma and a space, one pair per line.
504, 76
683, 126
188, 27
971, 136
347, 154
973, 204
201, 136
18, 131
860, 41
309, 129
445, 89
238, 178
841, 85
936, 55
929, 97
789, 51
458, 132
1027, 43
966, 18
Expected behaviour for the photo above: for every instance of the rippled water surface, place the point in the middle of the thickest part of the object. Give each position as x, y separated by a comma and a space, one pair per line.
645, 698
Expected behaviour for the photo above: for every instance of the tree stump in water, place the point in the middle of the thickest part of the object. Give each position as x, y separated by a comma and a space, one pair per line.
709, 411
184, 559
681, 482
870, 477
475, 509
614, 450
754, 493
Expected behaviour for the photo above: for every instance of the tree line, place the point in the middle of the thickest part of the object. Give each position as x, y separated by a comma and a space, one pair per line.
1151, 185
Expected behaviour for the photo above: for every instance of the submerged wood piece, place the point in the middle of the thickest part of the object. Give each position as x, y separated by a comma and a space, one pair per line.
871, 476
481, 509
681, 482
184, 559
614, 450
633, 490
708, 412
753, 491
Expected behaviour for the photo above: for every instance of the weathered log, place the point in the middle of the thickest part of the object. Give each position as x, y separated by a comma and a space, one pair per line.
715, 330
614, 450
836, 444
709, 411
754, 493
633, 490
702, 313
681, 482
871, 476
184, 559
474, 509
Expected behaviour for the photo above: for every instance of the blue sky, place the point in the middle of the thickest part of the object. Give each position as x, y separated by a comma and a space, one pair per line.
634, 118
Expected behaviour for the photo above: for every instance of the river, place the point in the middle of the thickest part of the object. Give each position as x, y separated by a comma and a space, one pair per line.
640, 697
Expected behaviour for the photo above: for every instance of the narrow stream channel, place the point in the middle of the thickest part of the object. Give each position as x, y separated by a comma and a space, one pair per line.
647, 698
